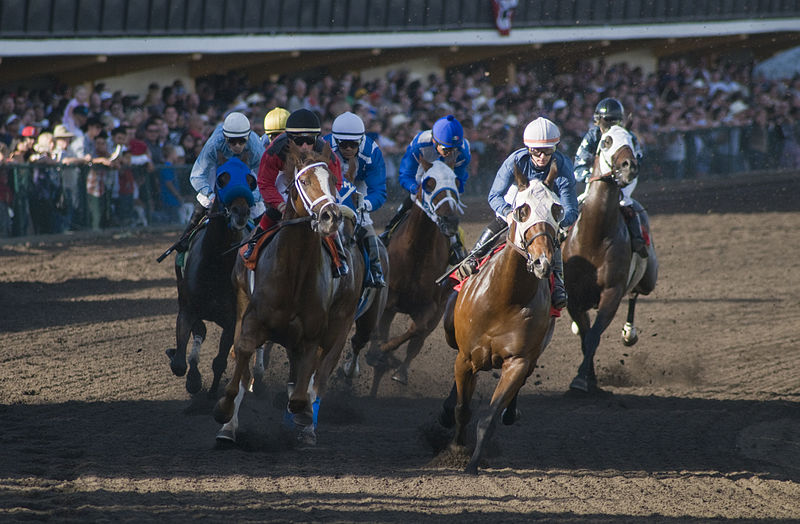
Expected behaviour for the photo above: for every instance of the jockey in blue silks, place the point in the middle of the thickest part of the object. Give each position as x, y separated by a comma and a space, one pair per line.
231, 139
445, 142
541, 137
366, 191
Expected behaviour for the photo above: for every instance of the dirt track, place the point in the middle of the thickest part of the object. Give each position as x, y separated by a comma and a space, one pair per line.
701, 420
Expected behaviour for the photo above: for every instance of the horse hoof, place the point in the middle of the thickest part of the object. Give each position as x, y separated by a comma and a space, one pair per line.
223, 410
630, 335
510, 417
401, 376
226, 435
447, 418
471, 469
580, 384
306, 436
193, 381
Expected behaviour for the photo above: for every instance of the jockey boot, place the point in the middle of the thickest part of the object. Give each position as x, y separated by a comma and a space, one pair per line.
251, 244
481, 247
374, 271
457, 250
398, 216
559, 295
635, 229
342, 269
197, 215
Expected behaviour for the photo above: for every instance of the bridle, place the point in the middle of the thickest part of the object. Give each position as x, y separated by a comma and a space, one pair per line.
310, 204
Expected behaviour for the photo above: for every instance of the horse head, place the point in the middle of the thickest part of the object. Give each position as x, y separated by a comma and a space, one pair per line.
615, 158
313, 192
234, 189
537, 213
438, 195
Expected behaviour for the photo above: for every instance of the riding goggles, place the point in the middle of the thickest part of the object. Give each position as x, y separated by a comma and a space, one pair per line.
300, 140
348, 144
541, 151
445, 150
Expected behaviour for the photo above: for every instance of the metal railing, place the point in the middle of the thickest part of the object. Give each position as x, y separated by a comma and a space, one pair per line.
54, 199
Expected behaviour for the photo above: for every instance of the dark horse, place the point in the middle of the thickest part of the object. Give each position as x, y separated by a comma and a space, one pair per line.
599, 266
205, 290
502, 317
418, 254
292, 298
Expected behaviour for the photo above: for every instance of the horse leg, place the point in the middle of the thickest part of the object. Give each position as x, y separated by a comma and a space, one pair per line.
177, 355
515, 371
220, 362
193, 379
364, 328
420, 328
586, 380
251, 336
305, 358
511, 413
228, 430
465, 380
260, 365
630, 335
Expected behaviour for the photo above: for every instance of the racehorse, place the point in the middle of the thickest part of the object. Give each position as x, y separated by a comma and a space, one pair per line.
599, 265
502, 318
205, 290
418, 254
292, 298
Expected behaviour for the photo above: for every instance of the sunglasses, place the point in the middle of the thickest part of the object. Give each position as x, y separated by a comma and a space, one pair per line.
539, 151
237, 141
444, 149
348, 144
301, 140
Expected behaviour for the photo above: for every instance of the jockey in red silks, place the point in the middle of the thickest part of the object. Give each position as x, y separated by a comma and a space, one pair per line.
303, 128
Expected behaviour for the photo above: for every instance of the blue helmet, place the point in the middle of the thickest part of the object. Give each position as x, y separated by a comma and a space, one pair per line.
448, 132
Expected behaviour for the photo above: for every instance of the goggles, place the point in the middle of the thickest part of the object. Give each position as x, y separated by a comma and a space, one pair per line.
301, 140
348, 144
541, 151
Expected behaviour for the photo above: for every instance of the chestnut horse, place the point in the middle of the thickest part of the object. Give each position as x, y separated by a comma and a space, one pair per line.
502, 317
292, 298
418, 254
205, 291
599, 265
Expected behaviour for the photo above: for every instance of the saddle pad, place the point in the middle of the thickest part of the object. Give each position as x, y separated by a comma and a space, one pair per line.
250, 263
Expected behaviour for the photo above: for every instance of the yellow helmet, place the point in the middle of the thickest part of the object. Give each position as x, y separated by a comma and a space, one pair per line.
275, 120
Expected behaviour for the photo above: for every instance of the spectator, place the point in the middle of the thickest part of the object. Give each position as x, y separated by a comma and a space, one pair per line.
171, 198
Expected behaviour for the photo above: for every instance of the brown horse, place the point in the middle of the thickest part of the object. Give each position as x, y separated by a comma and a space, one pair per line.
502, 317
418, 254
292, 298
599, 266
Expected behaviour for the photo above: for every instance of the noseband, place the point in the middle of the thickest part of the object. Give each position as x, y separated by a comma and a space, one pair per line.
524, 244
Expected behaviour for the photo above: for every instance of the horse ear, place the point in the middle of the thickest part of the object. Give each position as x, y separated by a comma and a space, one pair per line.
551, 176
424, 162
520, 179
326, 151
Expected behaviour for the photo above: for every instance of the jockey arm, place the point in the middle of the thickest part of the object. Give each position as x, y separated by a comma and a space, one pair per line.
462, 164
204, 170
565, 187
584, 157
502, 182
271, 165
407, 172
375, 180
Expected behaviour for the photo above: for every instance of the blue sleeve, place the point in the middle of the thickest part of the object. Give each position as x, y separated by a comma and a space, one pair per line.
565, 185
502, 181
205, 166
375, 179
407, 172
461, 169
256, 152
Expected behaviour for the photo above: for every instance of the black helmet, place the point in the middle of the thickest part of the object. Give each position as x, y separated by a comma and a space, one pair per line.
610, 110
302, 122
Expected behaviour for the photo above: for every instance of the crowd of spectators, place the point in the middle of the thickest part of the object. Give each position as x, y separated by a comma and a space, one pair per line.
121, 159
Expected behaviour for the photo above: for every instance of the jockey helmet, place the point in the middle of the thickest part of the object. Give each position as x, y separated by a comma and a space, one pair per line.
541, 133
236, 125
348, 126
275, 121
610, 110
448, 132
302, 122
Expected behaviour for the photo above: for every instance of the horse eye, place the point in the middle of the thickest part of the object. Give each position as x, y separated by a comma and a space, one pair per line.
522, 213
429, 185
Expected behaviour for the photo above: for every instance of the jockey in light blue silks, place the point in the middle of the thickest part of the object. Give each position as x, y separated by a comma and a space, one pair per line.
609, 112
366, 191
231, 139
534, 161
445, 142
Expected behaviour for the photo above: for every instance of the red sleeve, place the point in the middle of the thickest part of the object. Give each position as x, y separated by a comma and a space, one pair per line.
271, 164
336, 168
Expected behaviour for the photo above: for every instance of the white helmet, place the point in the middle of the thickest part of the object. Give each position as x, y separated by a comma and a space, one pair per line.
348, 126
236, 125
541, 133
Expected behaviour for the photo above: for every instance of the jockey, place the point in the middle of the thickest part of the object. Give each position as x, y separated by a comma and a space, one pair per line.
534, 160
302, 128
609, 112
444, 142
367, 190
274, 125
231, 139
